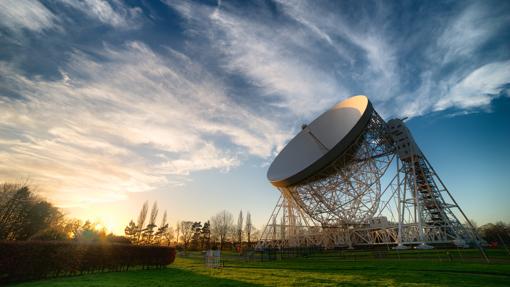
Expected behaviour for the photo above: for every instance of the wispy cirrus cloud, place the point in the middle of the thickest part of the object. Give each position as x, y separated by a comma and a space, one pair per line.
99, 110
271, 55
307, 55
25, 14
478, 88
113, 13
471, 29
363, 43
466, 67
307, 59
447, 78
133, 122
35, 16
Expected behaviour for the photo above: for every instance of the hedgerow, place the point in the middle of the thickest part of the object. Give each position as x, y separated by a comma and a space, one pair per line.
28, 260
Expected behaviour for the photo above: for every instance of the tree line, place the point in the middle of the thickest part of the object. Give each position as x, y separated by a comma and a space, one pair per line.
38, 241
216, 232
496, 234
26, 216
149, 234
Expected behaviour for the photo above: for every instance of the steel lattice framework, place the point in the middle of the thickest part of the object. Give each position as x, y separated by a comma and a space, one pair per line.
382, 190
348, 190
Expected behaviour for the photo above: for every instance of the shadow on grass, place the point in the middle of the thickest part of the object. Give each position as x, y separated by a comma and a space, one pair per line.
367, 274
188, 272
162, 277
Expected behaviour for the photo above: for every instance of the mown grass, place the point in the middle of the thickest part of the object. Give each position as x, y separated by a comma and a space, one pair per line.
329, 269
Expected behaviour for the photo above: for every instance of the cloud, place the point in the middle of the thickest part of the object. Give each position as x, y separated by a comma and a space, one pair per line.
305, 57
372, 40
268, 54
109, 119
113, 13
478, 88
458, 73
470, 30
208, 157
17, 15
403, 72
133, 122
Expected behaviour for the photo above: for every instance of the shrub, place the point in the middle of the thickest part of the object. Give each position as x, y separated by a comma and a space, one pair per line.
28, 260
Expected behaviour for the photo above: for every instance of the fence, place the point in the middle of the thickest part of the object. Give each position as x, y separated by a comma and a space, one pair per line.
441, 255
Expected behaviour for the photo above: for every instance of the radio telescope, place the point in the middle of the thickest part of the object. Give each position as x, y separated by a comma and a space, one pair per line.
351, 179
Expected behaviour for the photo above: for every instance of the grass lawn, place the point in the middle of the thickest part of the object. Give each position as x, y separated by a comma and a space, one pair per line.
317, 270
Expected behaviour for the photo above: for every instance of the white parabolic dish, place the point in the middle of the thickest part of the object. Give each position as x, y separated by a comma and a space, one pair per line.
321, 142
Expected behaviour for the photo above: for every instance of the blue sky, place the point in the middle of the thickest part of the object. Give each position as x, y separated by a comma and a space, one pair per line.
104, 104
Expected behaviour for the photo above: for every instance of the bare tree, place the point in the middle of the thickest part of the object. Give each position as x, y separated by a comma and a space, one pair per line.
73, 225
197, 235
206, 235
130, 231
141, 219
178, 231
162, 229
149, 230
255, 233
169, 235
248, 227
154, 213
187, 233
239, 230
231, 234
23, 215
221, 225
163, 220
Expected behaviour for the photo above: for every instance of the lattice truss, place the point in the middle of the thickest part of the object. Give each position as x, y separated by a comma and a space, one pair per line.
425, 215
371, 195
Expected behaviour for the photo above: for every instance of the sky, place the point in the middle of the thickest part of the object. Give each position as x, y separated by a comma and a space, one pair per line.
107, 104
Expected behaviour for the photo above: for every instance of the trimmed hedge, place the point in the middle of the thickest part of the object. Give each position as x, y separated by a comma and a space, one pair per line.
28, 260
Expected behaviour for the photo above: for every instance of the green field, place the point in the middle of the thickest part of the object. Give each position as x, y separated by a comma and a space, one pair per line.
434, 268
